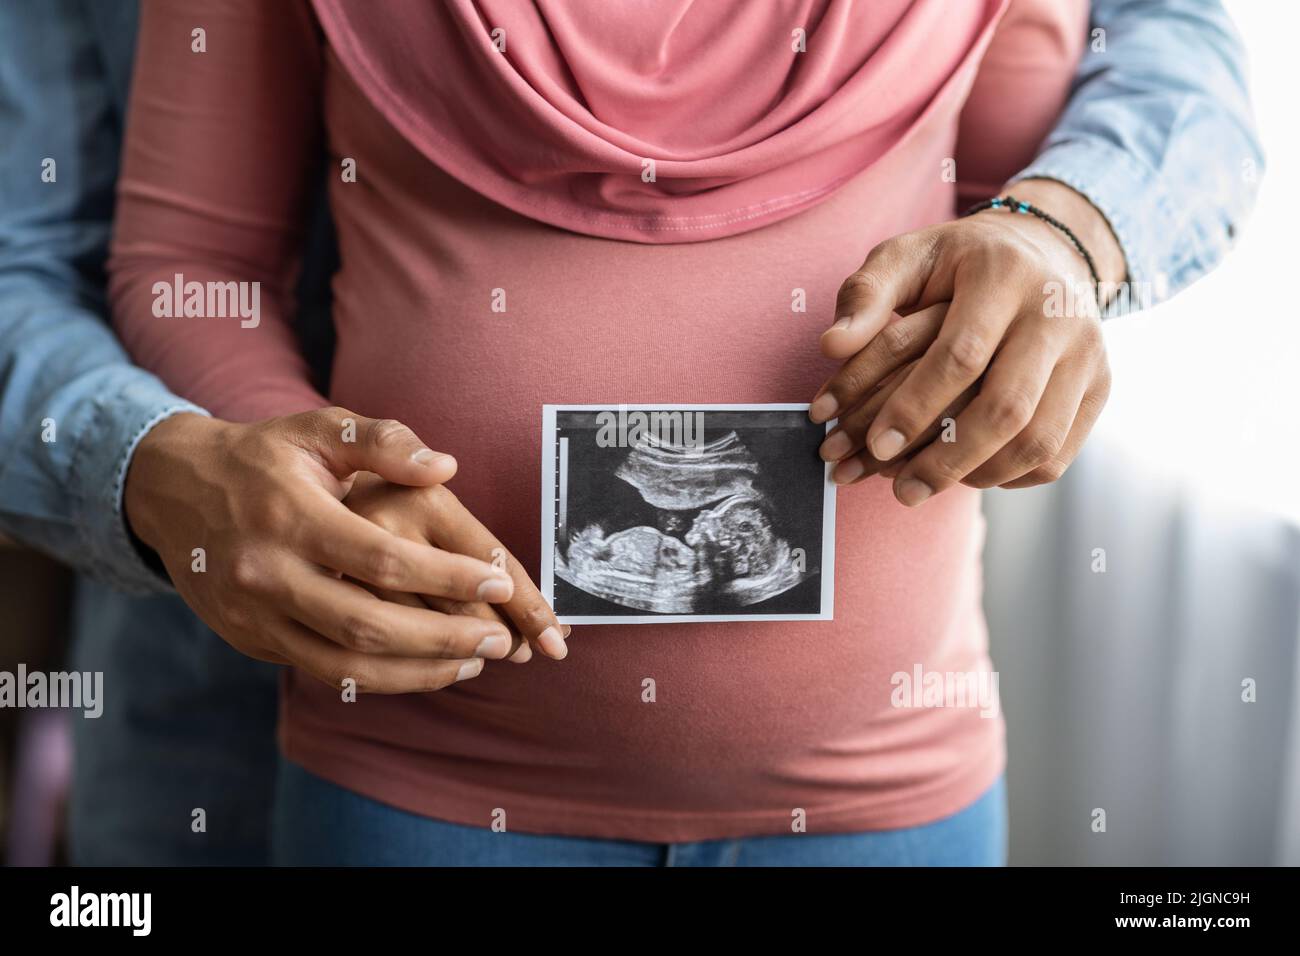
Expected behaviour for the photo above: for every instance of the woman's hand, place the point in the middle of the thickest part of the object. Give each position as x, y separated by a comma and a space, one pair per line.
979, 381
435, 516
249, 524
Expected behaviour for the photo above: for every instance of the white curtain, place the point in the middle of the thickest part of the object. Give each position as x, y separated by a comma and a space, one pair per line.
1123, 689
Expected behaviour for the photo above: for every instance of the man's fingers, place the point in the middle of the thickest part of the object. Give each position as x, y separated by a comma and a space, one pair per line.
893, 276
358, 620
343, 541
369, 673
1006, 403
520, 651
863, 464
846, 437
451, 526
981, 311
1094, 400
897, 343
1039, 443
349, 443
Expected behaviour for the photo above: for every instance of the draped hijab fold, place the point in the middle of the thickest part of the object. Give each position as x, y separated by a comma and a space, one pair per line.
658, 120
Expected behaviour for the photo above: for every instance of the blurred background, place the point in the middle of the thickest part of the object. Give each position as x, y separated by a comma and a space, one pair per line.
1123, 689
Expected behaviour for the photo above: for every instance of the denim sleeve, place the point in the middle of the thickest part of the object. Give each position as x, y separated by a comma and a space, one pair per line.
72, 407
1160, 136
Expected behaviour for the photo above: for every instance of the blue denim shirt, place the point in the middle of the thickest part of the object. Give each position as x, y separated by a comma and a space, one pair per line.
65, 67
72, 407
1158, 134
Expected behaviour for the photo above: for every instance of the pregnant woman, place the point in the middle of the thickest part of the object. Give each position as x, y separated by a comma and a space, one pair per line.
594, 202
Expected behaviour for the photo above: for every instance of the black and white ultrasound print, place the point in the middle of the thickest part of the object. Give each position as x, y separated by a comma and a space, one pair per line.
686, 513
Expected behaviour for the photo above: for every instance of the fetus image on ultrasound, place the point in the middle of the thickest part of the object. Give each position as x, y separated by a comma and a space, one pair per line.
716, 519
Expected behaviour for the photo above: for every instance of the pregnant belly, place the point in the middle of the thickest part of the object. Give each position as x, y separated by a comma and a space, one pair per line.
513, 315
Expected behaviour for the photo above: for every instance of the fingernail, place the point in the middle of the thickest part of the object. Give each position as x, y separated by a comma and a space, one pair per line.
494, 646
552, 643
469, 669
847, 471
888, 444
912, 492
836, 447
495, 590
521, 656
823, 409
426, 457
842, 323
567, 631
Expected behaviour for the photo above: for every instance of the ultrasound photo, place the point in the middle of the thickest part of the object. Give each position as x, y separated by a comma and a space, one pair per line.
685, 513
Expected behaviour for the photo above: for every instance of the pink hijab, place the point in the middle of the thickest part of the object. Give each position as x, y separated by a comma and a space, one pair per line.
658, 120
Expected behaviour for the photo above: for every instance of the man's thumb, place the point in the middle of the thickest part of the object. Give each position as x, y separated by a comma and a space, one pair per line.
384, 446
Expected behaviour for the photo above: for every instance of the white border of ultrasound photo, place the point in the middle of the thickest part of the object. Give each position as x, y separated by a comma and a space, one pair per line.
548, 523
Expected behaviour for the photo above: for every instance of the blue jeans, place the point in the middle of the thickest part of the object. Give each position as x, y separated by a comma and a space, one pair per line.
320, 824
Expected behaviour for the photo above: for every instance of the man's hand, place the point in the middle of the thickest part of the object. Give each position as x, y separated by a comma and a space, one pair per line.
263, 502
434, 516
976, 345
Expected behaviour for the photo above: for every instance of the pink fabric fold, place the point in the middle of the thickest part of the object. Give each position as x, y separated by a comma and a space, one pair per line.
587, 99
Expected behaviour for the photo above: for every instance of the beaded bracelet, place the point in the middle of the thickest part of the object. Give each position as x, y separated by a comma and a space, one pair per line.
1012, 204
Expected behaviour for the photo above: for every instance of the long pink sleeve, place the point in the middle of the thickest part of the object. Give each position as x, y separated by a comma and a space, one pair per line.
1022, 86
215, 169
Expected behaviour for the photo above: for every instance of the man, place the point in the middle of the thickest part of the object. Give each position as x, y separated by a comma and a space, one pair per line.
179, 767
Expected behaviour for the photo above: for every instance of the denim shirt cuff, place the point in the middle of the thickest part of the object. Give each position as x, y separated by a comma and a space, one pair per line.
102, 453
1135, 202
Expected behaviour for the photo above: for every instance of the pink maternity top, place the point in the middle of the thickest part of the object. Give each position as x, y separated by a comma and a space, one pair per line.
617, 289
